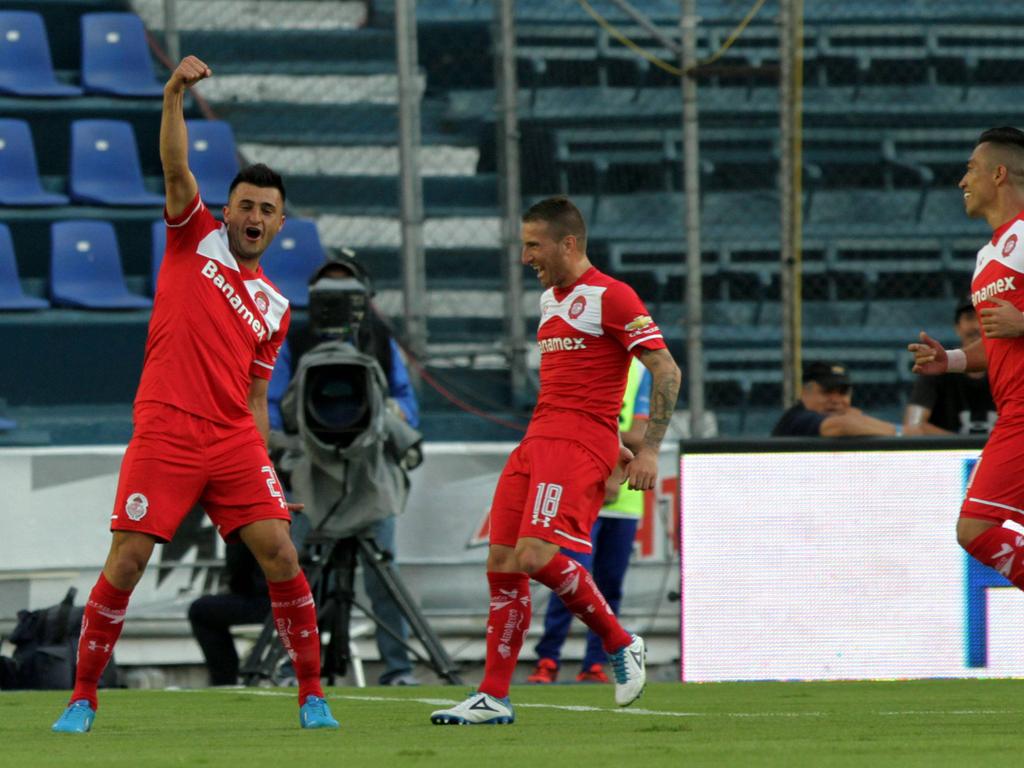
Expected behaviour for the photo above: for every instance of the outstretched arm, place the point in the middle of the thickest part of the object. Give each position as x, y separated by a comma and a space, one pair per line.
179, 183
642, 471
931, 359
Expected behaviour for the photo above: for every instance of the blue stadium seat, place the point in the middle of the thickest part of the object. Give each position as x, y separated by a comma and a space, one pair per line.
85, 268
105, 167
213, 158
19, 174
159, 243
293, 256
115, 56
26, 68
11, 295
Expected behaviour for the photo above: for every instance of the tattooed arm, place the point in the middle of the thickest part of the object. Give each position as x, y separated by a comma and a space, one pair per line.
642, 471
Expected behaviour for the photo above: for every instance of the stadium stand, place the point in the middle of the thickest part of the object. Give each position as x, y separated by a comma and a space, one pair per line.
26, 68
19, 174
12, 297
895, 93
105, 166
115, 56
85, 268
213, 158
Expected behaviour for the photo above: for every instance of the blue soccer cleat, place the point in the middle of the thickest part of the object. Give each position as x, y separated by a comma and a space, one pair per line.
316, 714
477, 709
77, 718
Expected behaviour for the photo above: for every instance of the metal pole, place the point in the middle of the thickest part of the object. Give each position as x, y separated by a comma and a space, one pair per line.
509, 193
789, 205
414, 280
171, 39
648, 25
691, 179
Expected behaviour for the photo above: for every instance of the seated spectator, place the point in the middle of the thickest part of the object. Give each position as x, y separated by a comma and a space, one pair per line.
825, 408
247, 601
953, 403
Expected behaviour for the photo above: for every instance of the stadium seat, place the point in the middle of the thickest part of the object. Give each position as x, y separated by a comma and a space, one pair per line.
26, 68
85, 268
293, 256
115, 56
19, 174
159, 243
105, 167
213, 158
11, 294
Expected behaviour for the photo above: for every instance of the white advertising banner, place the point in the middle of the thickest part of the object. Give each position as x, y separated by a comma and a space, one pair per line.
836, 565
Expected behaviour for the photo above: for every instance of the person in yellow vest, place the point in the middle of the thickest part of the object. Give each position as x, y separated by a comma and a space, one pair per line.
612, 538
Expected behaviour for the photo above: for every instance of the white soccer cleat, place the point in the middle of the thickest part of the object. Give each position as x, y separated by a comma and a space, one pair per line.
630, 670
477, 709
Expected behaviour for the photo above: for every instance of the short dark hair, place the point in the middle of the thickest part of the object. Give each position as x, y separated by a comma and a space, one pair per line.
964, 306
562, 217
1008, 144
259, 175
1005, 135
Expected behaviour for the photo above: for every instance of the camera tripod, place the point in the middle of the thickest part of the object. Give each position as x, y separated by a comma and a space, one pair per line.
331, 574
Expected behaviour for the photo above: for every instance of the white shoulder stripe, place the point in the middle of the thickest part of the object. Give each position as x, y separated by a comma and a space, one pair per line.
265, 365
645, 338
195, 210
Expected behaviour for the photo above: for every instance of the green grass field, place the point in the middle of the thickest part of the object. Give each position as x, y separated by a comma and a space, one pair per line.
910, 723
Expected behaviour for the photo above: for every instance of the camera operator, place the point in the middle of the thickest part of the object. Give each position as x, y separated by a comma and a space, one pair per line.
372, 337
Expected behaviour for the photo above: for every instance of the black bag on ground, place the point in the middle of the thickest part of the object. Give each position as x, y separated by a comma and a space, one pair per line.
46, 647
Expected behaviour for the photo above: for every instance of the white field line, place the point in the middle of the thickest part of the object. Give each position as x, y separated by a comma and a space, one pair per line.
623, 711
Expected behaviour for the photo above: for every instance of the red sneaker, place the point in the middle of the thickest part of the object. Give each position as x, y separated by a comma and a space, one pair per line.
592, 674
546, 672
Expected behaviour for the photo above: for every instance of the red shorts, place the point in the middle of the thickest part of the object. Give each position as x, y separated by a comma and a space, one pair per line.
995, 489
175, 459
550, 489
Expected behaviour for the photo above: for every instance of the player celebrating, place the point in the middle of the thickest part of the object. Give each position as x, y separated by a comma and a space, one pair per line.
200, 418
992, 514
553, 484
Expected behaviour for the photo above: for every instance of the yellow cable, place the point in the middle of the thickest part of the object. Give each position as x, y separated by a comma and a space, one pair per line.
661, 64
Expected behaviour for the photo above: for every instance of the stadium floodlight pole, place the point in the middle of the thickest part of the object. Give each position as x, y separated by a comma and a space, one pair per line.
510, 194
414, 279
171, 40
790, 74
688, 21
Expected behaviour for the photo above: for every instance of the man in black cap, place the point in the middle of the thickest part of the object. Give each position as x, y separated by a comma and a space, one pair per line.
825, 408
953, 403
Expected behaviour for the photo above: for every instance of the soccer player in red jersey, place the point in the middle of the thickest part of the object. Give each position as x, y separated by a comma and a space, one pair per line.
553, 484
991, 524
200, 417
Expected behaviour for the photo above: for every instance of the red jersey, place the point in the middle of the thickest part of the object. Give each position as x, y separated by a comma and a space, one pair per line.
215, 323
1000, 274
586, 336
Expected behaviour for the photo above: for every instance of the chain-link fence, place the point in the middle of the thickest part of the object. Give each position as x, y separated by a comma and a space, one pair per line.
892, 96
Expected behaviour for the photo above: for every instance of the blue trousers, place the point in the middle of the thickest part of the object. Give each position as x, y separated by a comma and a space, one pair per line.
612, 544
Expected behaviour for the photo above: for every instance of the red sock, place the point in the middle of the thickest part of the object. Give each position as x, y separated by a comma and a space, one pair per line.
295, 619
507, 624
1002, 549
575, 586
101, 626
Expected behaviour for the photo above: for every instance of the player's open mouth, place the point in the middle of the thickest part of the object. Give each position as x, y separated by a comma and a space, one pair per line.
252, 233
